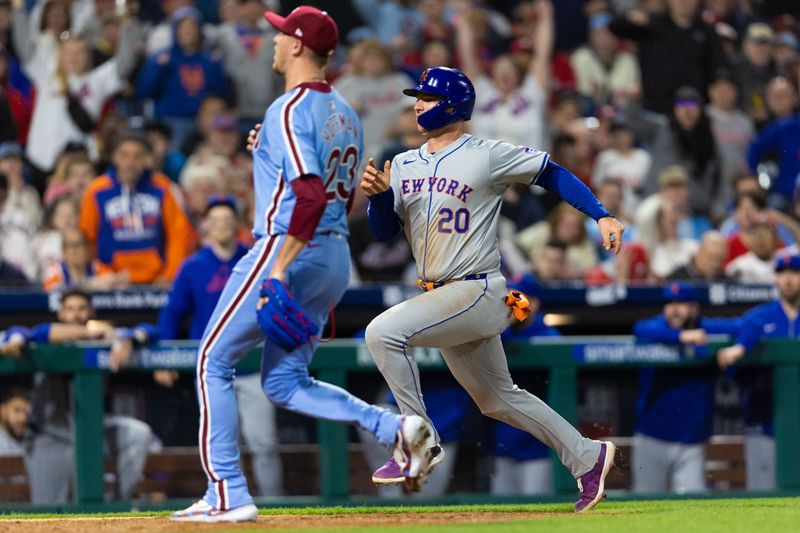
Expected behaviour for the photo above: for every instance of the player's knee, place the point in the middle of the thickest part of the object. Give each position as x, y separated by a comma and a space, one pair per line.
278, 392
379, 335
373, 335
280, 387
213, 366
493, 409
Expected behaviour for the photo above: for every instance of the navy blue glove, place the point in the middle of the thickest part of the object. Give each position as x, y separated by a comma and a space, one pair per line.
282, 319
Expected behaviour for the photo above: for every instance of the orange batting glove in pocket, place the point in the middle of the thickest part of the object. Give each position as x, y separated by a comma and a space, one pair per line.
518, 303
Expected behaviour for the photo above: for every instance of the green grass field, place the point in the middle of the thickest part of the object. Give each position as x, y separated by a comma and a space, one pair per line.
684, 516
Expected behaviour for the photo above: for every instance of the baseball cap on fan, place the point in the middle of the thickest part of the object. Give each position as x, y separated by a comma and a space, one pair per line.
788, 262
315, 29
680, 291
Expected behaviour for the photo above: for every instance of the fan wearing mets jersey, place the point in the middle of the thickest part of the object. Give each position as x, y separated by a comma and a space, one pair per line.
282, 290
446, 197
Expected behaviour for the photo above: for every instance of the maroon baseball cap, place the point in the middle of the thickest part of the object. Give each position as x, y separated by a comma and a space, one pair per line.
316, 29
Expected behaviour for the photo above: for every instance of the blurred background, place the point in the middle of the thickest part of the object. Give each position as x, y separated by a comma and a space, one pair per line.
681, 115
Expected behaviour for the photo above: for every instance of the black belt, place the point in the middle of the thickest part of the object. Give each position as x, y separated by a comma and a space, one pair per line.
430, 285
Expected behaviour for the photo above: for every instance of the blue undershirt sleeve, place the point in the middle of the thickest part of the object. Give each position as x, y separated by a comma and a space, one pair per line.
21, 332
657, 331
147, 333
383, 220
41, 333
752, 328
179, 305
722, 326
556, 178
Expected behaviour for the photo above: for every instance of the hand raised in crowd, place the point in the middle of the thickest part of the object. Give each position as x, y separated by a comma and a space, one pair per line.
373, 181
462, 9
543, 9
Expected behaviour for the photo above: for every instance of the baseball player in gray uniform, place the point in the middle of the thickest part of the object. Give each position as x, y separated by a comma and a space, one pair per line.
446, 197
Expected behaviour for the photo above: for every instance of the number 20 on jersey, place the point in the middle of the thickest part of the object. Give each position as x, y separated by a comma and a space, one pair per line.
450, 220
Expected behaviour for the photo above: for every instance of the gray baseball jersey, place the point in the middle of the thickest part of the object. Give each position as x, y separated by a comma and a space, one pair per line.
449, 202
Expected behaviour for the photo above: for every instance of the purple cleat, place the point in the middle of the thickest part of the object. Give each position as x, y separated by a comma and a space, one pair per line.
389, 474
592, 484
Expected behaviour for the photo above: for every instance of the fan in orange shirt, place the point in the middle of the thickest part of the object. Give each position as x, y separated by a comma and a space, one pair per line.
131, 218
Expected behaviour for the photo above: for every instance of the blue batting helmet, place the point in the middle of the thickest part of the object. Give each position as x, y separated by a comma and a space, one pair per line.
457, 92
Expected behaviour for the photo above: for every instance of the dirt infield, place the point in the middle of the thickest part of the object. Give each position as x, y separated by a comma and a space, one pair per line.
162, 524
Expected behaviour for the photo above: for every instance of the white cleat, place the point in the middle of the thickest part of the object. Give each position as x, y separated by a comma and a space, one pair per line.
437, 456
412, 450
202, 511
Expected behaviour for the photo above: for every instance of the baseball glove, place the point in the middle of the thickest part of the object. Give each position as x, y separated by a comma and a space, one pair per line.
282, 319
518, 303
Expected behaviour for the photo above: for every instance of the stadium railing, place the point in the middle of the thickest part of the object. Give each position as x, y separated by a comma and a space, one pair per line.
333, 361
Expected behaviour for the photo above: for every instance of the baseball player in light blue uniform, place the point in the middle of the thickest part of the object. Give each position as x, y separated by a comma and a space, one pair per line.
446, 197
305, 160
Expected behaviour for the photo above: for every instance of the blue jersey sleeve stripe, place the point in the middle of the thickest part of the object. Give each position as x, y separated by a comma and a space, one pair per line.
295, 154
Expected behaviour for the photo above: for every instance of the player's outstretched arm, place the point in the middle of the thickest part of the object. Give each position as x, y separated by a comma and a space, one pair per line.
556, 178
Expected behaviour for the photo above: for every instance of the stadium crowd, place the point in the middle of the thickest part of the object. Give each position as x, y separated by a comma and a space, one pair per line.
123, 125
680, 114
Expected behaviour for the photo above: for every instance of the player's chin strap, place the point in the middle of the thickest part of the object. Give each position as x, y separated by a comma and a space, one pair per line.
518, 303
332, 319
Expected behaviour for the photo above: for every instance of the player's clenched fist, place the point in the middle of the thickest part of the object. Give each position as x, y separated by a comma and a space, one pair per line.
373, 181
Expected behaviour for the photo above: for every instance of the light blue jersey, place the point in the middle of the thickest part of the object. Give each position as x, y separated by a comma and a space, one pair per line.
306, 127
309, 130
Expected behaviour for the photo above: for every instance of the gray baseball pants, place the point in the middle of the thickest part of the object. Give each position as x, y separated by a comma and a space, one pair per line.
661, 466
759, 453
51, 461
464, 319
522, 478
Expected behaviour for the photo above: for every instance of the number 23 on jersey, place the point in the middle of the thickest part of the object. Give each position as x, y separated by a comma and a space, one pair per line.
336, 186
